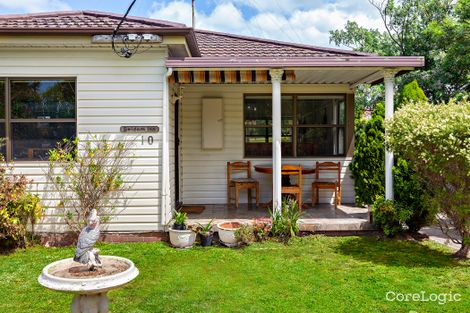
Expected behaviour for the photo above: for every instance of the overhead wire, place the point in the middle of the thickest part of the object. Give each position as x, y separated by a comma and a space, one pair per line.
256, 5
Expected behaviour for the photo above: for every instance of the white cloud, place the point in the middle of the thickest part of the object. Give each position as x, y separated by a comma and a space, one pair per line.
31, 6
296, 21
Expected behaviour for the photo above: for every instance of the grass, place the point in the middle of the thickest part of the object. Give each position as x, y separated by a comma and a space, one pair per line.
312, 274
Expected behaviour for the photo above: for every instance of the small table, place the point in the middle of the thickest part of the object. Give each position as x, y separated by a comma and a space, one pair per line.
268, 169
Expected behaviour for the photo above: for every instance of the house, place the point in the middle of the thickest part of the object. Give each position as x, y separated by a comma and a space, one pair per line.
215, 97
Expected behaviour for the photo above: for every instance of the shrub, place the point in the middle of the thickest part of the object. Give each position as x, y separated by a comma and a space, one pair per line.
258, 231
390, 216
86, 176
410, 193
18, 208
285, 221
436, 140
411, 92
245, 234
367, 167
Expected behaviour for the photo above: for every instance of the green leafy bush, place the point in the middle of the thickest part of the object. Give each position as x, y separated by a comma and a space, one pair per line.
390, 216
285, 221
411, 92
18, 208
367, 167
436, 140
410, 193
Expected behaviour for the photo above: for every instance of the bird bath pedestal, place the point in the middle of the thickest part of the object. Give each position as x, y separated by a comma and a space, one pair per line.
90, 287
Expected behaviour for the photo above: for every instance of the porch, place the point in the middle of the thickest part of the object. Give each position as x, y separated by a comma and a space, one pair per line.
225, 112
322, 217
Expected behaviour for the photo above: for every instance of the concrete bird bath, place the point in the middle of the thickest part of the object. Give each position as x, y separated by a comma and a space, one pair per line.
88, 275
90, 287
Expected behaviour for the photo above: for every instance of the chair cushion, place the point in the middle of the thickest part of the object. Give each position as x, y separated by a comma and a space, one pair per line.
326, 180
243, 180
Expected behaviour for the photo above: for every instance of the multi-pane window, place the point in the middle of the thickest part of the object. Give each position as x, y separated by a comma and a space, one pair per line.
312, 125
2, 117
40, 113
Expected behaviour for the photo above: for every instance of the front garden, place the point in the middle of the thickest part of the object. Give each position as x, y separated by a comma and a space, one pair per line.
311, 274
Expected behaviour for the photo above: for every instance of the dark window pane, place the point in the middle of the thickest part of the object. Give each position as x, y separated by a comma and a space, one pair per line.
2, 99
320, 141
3, 147
45, 99
258, 141
342, 113
258, 110
318, 110
32, 141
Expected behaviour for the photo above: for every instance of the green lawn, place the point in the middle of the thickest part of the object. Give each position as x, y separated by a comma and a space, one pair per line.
312, 274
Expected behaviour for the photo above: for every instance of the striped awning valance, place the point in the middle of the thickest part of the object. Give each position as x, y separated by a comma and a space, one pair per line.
226, 77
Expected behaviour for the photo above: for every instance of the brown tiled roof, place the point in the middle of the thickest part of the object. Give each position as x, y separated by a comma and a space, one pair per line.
216, 44
91, 22
201, 42
79, 21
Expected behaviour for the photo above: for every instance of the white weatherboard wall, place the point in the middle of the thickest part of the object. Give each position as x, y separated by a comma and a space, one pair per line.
111, 92
203, 172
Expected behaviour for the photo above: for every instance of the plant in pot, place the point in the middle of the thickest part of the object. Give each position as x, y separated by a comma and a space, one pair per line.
227, 231
179, 220
205, 233
180, 236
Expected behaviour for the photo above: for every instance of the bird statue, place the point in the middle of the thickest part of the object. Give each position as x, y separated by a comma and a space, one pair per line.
85, 253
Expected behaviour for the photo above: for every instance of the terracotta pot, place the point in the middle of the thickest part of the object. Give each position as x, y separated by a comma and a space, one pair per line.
182, 238
227, 233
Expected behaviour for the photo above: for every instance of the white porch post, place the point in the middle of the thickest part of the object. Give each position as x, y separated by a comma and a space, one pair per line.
276, 77
165, 189
389, 77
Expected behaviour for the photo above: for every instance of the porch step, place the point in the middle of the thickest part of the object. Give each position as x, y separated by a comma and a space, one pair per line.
336, 224
309, 225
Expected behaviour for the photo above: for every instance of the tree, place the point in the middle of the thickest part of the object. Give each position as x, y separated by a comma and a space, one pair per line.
411, 92
435, 29
368, 170
88, 175
436, 141
367, 167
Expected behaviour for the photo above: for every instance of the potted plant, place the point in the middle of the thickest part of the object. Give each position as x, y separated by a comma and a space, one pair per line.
205, 233
179, 220
227, 231
180, 236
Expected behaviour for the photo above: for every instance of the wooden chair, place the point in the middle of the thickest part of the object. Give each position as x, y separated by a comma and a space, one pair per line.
293, 170
327, 183
240, 183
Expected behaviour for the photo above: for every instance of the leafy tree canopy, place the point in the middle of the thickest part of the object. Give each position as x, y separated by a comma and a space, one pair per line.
436, 29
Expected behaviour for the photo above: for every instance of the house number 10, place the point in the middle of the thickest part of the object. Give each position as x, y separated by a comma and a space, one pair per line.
149, 140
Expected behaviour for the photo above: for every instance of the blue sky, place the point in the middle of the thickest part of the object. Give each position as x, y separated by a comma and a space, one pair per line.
303, 21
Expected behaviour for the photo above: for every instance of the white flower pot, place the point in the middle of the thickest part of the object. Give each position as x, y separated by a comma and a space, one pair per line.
182, 238
226, 232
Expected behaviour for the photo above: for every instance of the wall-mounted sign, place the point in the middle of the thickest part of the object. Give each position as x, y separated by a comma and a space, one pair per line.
139, 129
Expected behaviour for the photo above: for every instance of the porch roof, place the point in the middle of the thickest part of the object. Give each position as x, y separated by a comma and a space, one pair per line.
350, 70
294, 62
